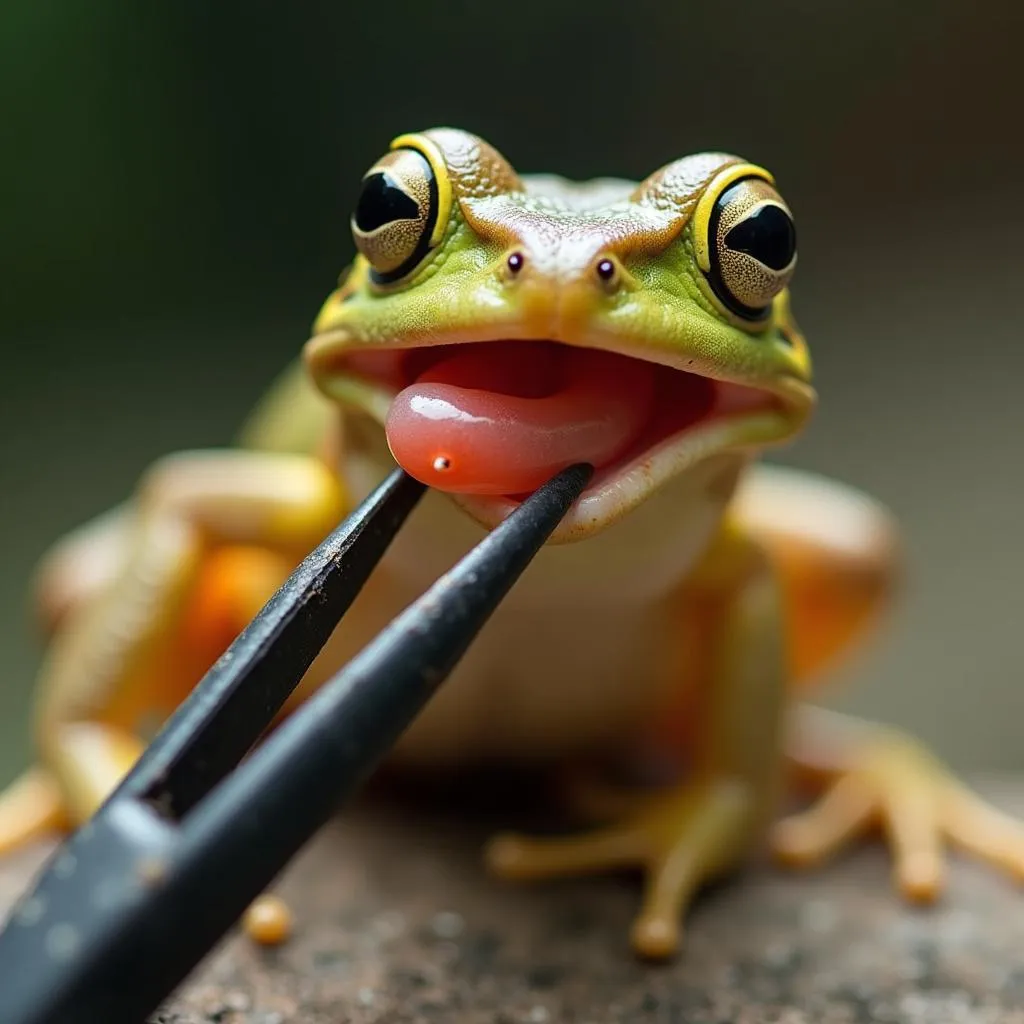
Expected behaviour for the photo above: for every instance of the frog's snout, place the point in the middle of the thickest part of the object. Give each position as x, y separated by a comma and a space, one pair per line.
559, 293
603, 269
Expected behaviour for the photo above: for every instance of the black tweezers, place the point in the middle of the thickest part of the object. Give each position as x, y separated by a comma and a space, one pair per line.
131, 902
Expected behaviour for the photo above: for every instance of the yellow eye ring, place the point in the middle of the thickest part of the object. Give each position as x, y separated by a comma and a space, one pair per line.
706, 205
433, 156
403, 209
744, 242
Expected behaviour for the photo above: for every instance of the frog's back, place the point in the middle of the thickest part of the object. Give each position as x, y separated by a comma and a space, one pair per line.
292, 416
579, 196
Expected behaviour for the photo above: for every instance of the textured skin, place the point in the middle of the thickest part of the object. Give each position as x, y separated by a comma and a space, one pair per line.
686, 600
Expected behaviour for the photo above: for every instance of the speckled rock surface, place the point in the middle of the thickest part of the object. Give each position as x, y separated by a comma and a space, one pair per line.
397, 922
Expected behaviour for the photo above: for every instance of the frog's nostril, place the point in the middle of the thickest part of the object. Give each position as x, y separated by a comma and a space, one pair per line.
607, 270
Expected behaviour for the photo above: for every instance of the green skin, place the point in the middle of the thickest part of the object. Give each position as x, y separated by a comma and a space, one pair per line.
679, 581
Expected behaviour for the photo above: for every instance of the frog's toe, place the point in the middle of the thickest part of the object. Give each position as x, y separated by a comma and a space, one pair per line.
656, 936
679, 841
672, 882
850, 809
893, 787
919, 806
522, 858
671, 879
845, 811
914, 826
977, 827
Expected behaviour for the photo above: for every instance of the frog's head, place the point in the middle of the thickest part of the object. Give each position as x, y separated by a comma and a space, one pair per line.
501, 327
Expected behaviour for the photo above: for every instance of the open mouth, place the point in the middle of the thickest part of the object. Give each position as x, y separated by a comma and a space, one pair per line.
490, 421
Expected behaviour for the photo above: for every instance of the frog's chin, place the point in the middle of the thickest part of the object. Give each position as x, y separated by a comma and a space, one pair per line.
619, 488
733, 419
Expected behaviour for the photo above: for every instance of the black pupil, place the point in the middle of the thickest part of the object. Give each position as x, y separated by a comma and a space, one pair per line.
768, 235
383, 201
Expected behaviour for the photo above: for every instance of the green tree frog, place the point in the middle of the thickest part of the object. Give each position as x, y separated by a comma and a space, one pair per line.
493, 329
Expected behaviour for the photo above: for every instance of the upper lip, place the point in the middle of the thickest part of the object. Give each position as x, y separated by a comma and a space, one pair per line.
325, 354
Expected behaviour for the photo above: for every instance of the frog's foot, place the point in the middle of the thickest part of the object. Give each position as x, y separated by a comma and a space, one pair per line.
86, 760
681, 840
898, 786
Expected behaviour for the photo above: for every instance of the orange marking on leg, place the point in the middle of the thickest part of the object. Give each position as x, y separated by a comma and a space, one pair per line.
234, 584
837, 554
830, 605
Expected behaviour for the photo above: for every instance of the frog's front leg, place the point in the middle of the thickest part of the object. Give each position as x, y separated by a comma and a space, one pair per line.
877, 777
118, 655
685, 837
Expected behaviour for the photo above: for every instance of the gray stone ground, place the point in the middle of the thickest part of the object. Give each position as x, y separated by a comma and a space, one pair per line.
397, 922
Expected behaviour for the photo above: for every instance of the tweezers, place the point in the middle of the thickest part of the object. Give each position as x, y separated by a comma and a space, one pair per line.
136, 897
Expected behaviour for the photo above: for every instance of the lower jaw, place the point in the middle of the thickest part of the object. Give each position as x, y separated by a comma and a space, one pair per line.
616, 491
736, 421
719, 447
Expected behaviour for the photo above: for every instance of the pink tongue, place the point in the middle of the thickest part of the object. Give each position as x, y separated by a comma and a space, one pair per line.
503, 418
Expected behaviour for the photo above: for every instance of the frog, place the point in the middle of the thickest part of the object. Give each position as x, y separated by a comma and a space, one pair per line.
660, 660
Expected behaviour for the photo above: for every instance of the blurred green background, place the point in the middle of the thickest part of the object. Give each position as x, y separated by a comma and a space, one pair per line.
175, 189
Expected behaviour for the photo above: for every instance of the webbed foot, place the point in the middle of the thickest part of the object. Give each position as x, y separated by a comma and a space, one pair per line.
680, 840
896, 785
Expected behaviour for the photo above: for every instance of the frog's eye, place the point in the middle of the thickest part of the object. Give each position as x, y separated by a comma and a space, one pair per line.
751, 247
396, 220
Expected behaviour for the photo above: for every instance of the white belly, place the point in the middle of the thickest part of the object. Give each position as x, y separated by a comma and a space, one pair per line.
578, 653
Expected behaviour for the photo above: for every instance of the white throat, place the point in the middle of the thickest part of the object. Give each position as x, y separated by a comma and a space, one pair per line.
637, 560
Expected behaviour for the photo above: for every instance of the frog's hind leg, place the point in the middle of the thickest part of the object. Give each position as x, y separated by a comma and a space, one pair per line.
75, 570
121, 656
72, 575
213, 534
80, 566
836, 553
93, 755
85, 759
